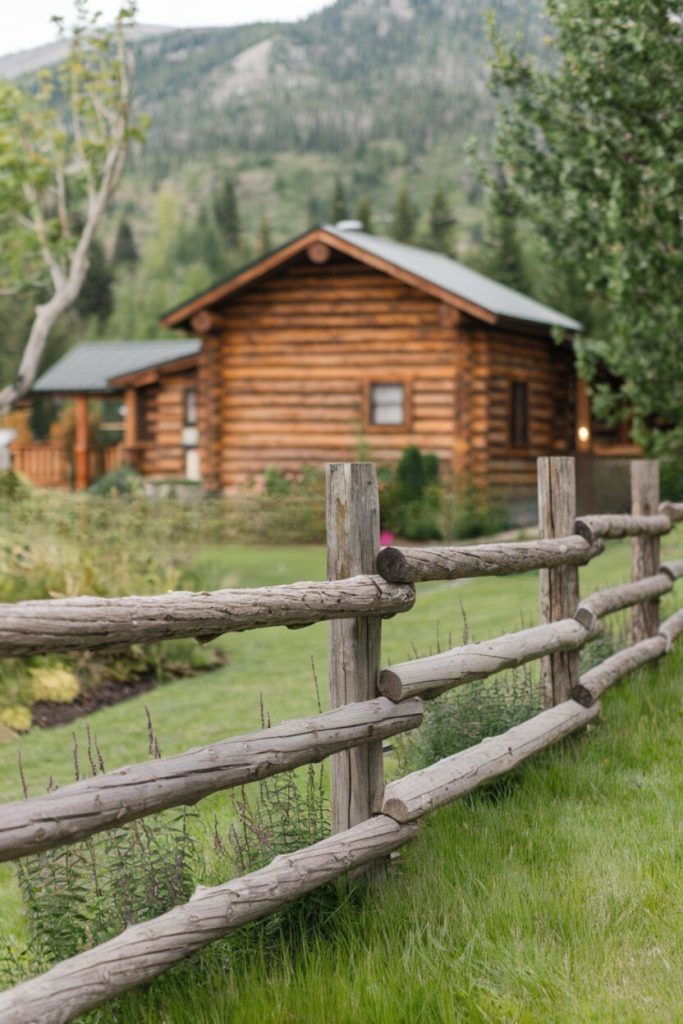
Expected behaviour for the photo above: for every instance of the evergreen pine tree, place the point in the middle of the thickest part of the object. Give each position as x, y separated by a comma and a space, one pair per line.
97, 296
226, 213
505, 259
338, 207
405, 216
125, 249
364, 214
441, 223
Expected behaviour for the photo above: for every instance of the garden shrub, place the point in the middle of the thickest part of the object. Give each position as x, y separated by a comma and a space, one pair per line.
13, 486
465, 717
122, 480
411, 499
473, 511
671, 478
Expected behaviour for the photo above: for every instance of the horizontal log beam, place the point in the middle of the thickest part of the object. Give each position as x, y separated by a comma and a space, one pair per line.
614, 599
145, 950
414, 565
428, 677
672, 628
610, 527
454, 776
674, 569
593, 683
91, 623
672, 509
107, 801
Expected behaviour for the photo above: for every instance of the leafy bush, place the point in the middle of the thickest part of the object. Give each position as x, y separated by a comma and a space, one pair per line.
671, 475
459, 720
416, 505
13, 486
472, 511
122, 480
411, 500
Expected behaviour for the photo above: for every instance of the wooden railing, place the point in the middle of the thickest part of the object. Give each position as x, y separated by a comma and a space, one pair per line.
44, 463
370, 819
47, 463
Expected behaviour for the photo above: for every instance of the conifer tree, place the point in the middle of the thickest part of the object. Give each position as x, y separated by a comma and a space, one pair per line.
226, 213
441, 223
125, 249
96, 297
338, 207
405, 216
364, 214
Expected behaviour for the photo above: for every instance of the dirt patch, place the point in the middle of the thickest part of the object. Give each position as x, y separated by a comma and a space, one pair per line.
47, 713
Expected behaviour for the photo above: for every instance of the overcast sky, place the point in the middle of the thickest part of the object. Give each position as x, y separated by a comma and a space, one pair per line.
27, 23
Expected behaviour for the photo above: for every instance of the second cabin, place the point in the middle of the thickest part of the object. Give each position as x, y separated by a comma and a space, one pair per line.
341, 342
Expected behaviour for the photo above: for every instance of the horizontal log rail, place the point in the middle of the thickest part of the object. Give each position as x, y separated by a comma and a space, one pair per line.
92, 623
145, 950
672, 628
674, 569
107, 801
615, 599
446, 780
672, 509
415, 565
428, 677
610, 527
593, 683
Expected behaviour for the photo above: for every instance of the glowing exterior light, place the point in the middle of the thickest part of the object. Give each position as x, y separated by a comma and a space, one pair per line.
583, 434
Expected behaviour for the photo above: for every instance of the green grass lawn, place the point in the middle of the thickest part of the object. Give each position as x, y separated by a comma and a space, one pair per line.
553, 898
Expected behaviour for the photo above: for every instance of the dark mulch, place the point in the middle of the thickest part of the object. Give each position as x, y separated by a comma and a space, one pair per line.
48, 713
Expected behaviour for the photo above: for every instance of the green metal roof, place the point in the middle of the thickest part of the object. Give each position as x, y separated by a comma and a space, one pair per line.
458, 279
90, 366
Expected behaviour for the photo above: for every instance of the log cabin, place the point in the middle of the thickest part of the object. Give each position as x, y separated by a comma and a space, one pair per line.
155, 381
341, 342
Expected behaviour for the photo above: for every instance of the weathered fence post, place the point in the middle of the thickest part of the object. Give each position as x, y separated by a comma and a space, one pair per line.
559, 587
645, 549
354, 644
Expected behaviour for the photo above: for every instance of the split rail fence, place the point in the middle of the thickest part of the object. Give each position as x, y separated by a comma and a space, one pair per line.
370, 703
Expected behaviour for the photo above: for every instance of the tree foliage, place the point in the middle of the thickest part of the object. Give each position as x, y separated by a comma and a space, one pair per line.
405, 216
63, 147
594, 148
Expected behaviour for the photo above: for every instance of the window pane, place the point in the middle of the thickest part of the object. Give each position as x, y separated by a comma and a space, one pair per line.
387, 405
190, 407
519, 413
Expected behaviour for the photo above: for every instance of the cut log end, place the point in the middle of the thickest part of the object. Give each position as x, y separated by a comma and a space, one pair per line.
391, 565
583, 696
390, 685
398, 810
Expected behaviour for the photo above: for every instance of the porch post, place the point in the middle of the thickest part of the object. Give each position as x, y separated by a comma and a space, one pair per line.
82, 444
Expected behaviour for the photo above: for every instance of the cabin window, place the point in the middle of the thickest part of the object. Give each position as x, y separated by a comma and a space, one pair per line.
191, 415
146, 412
387, 405
519, 414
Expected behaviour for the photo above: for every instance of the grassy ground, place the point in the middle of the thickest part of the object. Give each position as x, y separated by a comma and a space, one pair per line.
553, 897
556, 902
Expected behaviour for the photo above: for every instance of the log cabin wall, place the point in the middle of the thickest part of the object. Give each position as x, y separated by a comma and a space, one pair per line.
547, 373
287, 380
158, 452
299, 354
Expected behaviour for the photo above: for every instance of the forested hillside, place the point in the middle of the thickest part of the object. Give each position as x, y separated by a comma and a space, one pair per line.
364, 109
